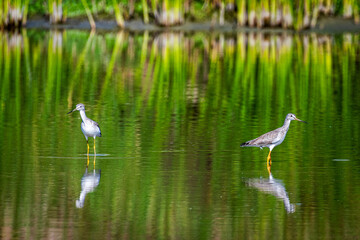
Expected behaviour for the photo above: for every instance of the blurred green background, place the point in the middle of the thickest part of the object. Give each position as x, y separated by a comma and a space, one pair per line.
299, 14
173, 110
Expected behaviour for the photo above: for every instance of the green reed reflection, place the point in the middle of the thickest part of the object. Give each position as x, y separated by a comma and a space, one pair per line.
173, 109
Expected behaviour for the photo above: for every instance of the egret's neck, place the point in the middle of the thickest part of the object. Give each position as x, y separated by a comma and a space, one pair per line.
286, 123
83, 115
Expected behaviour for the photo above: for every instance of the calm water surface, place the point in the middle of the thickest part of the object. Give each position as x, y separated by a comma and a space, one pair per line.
173, 110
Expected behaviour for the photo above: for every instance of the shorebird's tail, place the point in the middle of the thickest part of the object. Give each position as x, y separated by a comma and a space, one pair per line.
245, 144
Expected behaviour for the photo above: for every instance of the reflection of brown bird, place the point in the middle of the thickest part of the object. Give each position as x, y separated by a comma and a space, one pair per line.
273, 138
273, 187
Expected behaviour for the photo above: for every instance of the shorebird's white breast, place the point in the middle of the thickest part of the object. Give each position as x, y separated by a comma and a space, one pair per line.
90, 129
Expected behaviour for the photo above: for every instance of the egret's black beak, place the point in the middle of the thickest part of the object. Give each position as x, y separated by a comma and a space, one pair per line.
71, 111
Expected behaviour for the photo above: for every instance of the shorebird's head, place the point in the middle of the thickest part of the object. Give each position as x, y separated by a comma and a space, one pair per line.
79, 107
79, 203
291, 116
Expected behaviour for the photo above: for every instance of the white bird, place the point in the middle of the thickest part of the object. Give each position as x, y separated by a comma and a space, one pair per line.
89, 127
273, 138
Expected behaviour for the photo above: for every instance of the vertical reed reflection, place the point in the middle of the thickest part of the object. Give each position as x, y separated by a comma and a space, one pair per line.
171, 106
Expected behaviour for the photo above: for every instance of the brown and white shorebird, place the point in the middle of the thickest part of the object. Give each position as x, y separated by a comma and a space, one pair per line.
273, 138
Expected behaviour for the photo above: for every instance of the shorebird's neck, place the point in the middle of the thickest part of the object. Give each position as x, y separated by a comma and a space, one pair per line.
83, 115
81, 200
286, 123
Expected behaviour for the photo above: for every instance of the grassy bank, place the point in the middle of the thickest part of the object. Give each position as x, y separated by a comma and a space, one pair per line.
299, 14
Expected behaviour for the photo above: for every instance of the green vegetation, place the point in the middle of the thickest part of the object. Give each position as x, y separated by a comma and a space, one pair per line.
13, 12
297, 14
174, 162
56, 11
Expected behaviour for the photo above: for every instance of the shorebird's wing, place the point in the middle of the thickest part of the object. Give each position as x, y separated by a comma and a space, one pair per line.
94, 124
265, 139
97, 125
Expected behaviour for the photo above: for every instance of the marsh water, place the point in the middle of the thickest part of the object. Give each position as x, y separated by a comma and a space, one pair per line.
173, 109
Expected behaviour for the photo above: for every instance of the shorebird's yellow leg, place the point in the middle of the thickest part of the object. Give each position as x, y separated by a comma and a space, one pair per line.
269, 163
94, 153
269, 168
269, 159
88, 149
94, 147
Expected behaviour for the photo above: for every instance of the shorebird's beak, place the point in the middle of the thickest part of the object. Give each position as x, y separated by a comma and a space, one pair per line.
300, 120
71, 111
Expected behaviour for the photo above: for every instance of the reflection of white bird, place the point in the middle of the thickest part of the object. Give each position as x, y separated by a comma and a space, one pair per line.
88, 184
273, 187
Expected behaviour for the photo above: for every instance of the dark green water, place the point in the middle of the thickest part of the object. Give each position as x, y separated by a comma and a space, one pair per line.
173, 110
